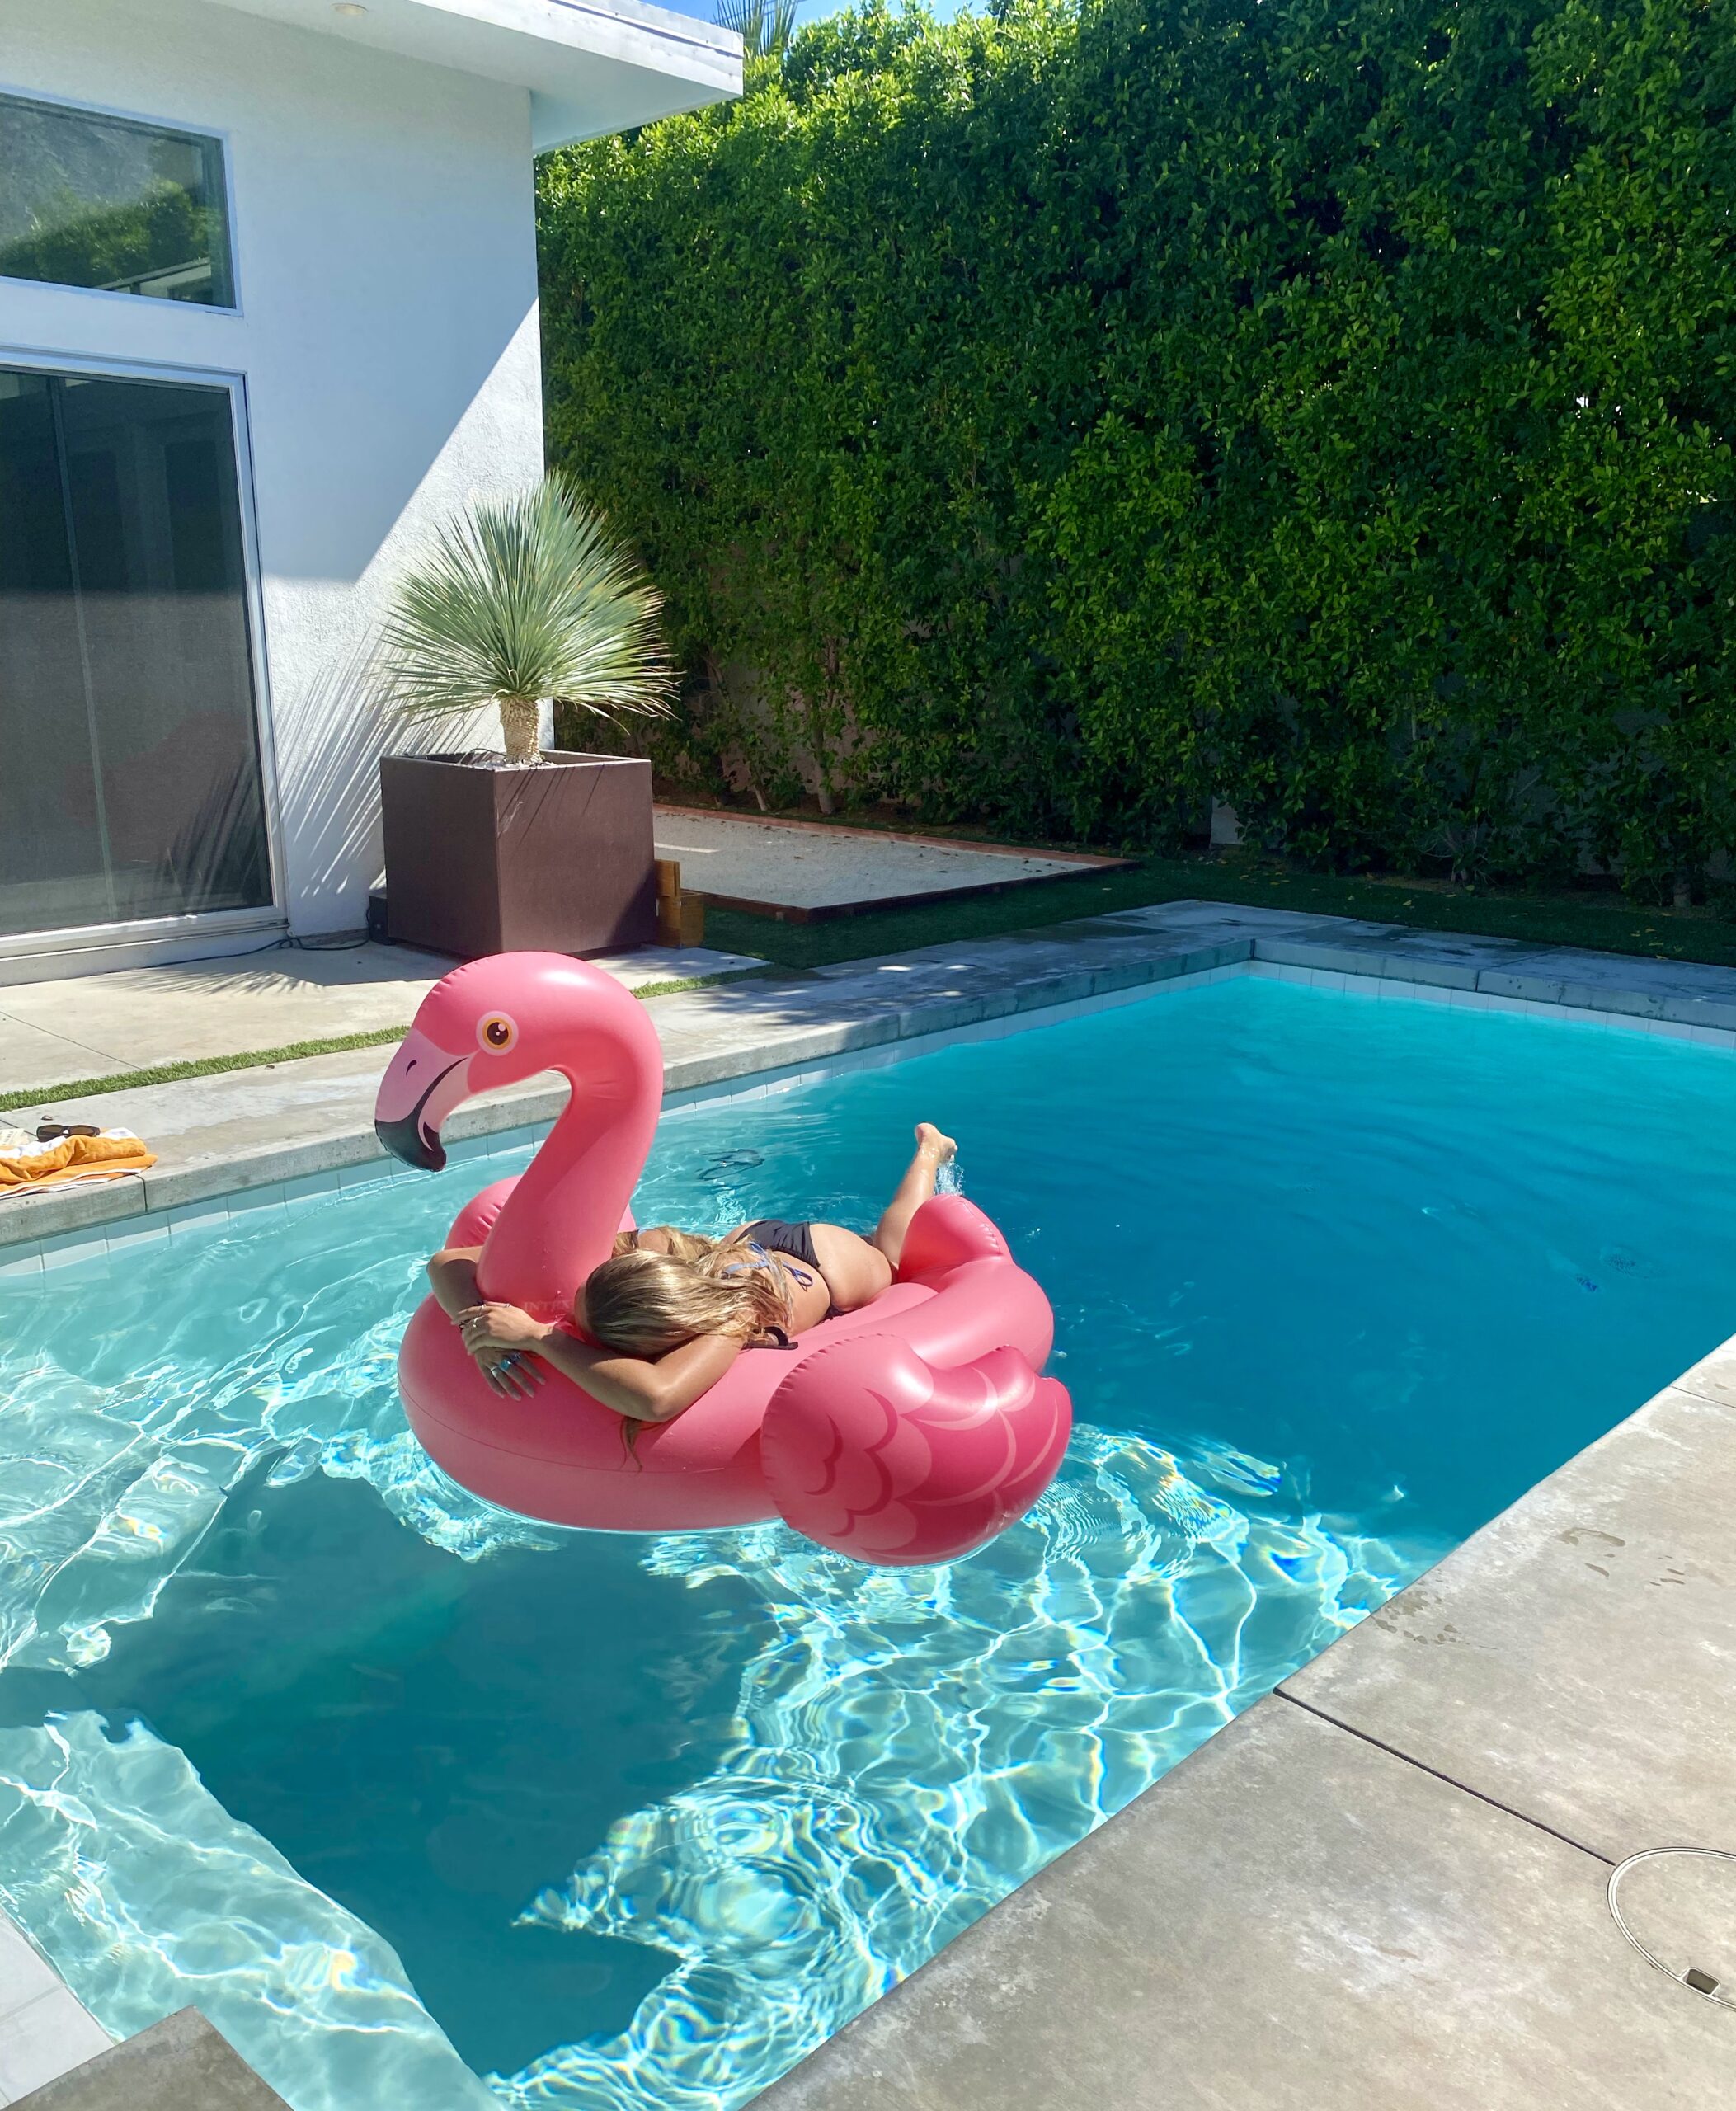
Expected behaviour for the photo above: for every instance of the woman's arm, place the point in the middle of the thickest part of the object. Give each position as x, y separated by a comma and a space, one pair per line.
630, 1385
452, 1276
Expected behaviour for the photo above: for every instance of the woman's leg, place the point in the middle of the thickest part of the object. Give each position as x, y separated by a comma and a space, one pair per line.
933, 1151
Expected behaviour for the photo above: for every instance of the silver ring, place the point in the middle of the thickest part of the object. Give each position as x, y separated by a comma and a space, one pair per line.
512, 1360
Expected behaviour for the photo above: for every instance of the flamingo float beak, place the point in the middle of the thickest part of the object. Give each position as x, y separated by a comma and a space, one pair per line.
423, 1082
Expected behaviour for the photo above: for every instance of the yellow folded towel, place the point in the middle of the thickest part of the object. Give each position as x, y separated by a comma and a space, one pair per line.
28, 1164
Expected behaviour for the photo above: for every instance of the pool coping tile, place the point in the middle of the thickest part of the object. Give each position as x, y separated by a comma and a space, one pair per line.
1575, 1660
1714, 1377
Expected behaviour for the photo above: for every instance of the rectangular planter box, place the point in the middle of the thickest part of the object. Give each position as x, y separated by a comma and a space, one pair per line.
483, 858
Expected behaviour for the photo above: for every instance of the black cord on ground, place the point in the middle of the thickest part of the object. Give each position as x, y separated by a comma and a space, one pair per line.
331, 942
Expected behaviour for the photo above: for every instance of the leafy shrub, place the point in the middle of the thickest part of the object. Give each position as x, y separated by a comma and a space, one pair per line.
1064, 418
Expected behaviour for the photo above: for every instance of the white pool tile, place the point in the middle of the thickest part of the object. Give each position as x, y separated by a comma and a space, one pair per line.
24, 1972
309, 1187
72, 1249
257, 1202
44, 2038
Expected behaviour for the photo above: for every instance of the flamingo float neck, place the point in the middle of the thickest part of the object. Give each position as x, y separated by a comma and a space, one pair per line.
560, 1220
497, 1022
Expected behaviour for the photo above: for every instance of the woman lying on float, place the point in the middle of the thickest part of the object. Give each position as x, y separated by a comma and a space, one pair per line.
670, 1311
910, 1421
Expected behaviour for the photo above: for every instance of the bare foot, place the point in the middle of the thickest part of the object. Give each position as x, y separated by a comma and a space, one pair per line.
931, 1144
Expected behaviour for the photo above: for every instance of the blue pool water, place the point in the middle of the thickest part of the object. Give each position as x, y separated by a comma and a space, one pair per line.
292, 1728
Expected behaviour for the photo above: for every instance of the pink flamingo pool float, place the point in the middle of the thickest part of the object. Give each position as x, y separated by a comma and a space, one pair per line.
912, 1431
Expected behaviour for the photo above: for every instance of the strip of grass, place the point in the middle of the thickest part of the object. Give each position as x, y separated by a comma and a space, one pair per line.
1605, 921
211, 1066
204, 1066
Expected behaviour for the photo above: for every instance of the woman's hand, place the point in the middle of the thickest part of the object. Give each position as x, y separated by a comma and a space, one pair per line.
509, 1372
494, 1326
500, 1337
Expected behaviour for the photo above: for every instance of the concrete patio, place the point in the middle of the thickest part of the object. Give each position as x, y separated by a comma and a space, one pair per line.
801, 871
98, 1025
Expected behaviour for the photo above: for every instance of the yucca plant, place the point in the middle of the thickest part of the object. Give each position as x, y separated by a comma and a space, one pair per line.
523, 598
765, 27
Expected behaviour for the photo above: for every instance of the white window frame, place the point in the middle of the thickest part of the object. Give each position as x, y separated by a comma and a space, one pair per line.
158, 124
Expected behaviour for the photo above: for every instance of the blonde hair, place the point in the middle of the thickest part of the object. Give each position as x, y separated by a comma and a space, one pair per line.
646, 1305
683, 1245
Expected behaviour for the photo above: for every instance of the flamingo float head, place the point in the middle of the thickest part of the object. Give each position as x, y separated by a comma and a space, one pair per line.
498, 1021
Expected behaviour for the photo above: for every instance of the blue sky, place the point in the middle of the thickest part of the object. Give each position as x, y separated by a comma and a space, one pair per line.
812, 10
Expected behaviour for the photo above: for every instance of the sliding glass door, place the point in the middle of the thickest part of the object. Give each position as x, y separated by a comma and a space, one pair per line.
131, 786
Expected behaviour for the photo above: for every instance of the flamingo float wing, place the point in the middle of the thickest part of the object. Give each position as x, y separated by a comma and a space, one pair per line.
873, 1452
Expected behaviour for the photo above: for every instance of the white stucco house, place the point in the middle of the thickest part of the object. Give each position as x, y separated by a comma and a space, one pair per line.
268, 309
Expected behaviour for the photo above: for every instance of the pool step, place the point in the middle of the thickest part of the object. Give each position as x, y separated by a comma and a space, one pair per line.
181, 2064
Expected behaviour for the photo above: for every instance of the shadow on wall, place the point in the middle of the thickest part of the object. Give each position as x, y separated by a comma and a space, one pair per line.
376, 453
328, 746
329, 787
328, 725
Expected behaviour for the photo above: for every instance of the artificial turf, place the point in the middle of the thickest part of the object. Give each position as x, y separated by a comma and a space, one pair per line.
1605, 920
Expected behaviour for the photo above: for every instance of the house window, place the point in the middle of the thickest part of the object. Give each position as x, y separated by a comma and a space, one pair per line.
130, 783
91, 200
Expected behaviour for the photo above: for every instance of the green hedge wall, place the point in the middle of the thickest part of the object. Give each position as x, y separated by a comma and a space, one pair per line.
1073, 416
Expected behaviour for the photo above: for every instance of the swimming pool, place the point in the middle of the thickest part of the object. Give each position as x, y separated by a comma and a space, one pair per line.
291, 1728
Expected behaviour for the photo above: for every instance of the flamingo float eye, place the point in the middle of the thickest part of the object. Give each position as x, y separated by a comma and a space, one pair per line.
497, 1033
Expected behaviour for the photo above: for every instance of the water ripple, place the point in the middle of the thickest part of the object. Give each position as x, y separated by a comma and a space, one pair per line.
913, 1746
116, 1857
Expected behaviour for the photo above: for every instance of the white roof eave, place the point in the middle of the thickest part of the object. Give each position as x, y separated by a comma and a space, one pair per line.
591, 66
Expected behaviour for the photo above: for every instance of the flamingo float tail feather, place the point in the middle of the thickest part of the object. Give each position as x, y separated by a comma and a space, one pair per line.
874, 1452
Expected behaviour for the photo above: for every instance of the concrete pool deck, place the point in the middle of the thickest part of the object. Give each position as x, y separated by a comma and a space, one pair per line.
1383, 1886
138, 1018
